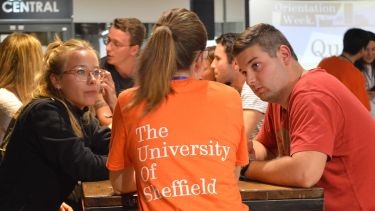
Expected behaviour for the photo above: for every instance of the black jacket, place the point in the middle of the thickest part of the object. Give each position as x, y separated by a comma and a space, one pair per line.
44, 159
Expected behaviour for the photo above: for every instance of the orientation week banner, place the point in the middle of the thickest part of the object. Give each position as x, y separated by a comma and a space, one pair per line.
315, 29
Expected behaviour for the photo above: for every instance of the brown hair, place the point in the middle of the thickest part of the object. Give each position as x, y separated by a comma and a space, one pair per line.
266, 36
55, 59
227, 41
21, 62
210, 53
134, 27
178, 36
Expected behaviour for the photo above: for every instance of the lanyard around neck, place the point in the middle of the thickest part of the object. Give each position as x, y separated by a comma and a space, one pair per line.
180, 77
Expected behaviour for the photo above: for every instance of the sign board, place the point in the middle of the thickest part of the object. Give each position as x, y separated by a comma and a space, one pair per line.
36, 9
315, 29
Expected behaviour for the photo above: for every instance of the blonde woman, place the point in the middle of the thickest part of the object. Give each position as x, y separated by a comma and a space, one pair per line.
21, 61
55, 141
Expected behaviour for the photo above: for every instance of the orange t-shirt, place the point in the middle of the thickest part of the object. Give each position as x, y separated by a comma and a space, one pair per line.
349, 75
185, 152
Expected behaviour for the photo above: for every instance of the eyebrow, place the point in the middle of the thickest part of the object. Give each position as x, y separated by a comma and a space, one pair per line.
251, 60
80, 65
85, 66
113, 39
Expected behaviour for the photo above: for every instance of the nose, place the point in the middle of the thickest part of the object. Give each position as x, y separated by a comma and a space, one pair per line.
213, 67
250, 78
108, 47
91, 78
213, 64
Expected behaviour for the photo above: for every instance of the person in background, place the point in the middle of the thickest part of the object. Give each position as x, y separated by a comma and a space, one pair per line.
55, 142
227, 72
310, 135
367, 66
342, 67
123, 44
172, 110
207, 72
21, 62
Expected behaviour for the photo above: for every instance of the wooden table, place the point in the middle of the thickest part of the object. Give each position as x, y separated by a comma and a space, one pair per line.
99, 196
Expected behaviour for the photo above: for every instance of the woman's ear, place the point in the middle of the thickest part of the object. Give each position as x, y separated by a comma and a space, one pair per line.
197, 66
55, 80
198, 63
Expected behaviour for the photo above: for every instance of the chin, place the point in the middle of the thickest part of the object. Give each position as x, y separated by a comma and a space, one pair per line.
90, 102
110, 61
263, 97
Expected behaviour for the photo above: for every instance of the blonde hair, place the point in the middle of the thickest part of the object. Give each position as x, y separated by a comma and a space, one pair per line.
54, 63
21, 62
178, 36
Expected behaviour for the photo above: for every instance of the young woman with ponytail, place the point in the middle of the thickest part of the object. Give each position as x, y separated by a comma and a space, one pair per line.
177, 140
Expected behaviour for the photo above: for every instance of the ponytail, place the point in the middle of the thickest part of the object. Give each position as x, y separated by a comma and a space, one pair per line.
156, 69
177, 37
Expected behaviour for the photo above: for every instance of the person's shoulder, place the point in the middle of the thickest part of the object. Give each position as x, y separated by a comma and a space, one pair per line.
316, 82
222, 91
41, 109
7, 98
222, 88
319, 72
313, 78
45, 104
126, 95
329, 60
336, 62
4, 93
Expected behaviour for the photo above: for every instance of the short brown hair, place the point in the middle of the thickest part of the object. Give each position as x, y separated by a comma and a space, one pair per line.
227, 41
134, 27
266, 36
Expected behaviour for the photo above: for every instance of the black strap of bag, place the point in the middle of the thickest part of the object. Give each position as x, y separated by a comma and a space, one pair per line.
7, 134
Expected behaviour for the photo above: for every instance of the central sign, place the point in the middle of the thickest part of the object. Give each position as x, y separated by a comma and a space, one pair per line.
41, 9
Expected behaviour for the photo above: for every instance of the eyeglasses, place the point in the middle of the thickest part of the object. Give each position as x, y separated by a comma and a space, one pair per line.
83, 73
116, 44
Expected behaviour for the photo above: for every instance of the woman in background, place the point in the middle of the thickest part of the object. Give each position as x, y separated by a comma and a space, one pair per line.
21, 62
165, 131
367, 67
55, 141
